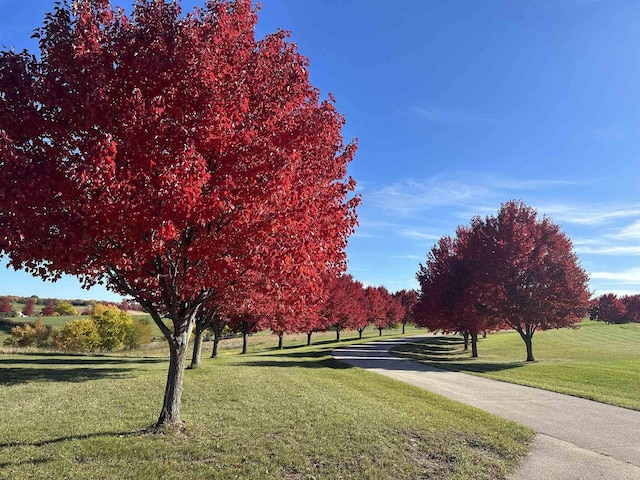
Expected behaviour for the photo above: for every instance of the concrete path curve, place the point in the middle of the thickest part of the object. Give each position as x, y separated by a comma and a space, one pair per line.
576, 438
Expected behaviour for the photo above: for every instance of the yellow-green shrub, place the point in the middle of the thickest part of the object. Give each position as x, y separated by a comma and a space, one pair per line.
78, 336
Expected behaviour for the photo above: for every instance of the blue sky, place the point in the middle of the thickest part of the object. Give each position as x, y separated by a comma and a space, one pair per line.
460, 105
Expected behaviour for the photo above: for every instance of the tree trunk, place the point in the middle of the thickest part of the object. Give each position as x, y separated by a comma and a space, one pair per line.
309, 338
218, 328
170, 413
474, 345
214, 351
280, 341
529, 343
380, 330
403, 324
527, 337
360, 330
465, 336
197, 348
244, 343
337, 334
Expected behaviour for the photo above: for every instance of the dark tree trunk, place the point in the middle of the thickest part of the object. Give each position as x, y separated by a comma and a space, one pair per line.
529, 343
197, 348
337, 334
474, 345
403, 325
309, 338
465, 336
380, 330
214, 351
360, 331
280, 341
527, 337
484, 334
244, 343
218, 328
170, 413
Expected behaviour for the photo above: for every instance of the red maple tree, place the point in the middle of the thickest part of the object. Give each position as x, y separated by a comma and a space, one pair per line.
448, 300
528, 276
343, 307
29, 307
510, 270
632, 307
177, 154
5, 305
609, 308
408, 299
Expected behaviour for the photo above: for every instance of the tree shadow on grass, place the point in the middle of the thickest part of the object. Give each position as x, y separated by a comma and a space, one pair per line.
74, 359
312, 362
446, 353
88, 436
34, 461
19, 375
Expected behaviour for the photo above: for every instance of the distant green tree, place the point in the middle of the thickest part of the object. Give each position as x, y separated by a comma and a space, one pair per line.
139, 333
65, 308
78, 336
113, 325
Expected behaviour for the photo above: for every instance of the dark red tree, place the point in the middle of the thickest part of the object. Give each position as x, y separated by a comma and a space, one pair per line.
5, 305
632, 307
176, 154
29, 307
449, 291
408, 299
49, 308
609, 309
526, 272
343, 307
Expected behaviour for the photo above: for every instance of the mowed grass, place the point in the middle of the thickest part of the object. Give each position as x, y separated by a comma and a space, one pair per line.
289, 414
599, 362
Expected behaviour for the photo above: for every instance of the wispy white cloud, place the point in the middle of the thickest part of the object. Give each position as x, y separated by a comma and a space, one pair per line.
587, 214
459, 117
419, 235
629, 276
631, 232
407, 257
471, 192
608, 250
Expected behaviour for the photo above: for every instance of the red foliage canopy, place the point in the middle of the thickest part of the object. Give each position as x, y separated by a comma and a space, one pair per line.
609, 308
175, 154
511, 269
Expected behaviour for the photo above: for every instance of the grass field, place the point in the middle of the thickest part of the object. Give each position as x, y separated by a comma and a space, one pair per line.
291, 414
599, 362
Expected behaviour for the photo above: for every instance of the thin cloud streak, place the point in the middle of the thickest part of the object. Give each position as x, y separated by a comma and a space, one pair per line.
629, 276
612, 250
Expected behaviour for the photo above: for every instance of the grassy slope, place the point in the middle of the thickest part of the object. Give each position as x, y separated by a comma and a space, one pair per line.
292, 414
599, 362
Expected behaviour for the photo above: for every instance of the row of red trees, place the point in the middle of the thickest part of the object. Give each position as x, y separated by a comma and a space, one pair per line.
512, 270
345, 305
609, 308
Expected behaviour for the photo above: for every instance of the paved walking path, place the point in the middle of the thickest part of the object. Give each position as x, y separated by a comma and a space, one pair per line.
576, 438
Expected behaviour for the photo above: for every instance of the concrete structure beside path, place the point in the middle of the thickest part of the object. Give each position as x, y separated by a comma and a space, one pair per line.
576, 438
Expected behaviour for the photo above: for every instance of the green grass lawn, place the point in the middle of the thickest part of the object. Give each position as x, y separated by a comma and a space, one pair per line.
599, 362
291, 414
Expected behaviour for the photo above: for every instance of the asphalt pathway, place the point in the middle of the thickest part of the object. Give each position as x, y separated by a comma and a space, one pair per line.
576, 438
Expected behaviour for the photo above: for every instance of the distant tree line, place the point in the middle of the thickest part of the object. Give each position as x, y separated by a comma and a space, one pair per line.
608, 308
